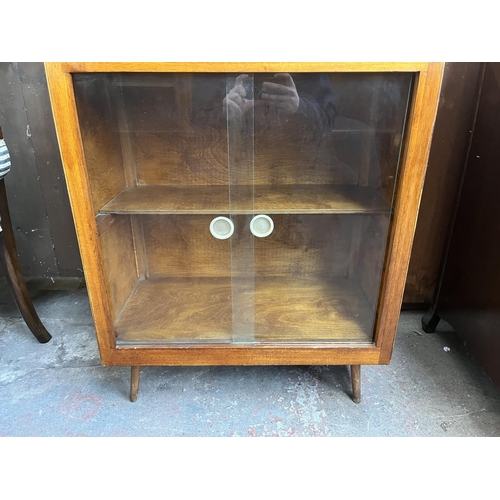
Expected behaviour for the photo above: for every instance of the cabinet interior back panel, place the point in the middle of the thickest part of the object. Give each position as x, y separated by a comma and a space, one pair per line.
178, 130
182, 246
179, 133
300, 245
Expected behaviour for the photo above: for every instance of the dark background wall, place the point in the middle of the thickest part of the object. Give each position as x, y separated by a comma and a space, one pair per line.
41, 212
36, 188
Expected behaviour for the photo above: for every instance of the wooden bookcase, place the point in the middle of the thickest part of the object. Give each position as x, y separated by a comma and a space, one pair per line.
328, 157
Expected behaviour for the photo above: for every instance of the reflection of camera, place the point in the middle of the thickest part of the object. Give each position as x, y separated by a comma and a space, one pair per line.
271, 79
248, 86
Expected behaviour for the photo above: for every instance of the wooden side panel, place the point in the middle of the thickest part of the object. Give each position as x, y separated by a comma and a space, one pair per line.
70, 143
117, 248
100, 137
422, 117
139, 248
451, 137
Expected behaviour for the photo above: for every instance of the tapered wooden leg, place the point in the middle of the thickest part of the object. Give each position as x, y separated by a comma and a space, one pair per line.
15, 279
135, 376
356, 383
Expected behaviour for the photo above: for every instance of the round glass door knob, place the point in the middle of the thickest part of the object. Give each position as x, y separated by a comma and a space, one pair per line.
261, 226
222, 228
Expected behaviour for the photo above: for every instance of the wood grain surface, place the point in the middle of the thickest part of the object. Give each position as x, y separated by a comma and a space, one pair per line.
196, 156
272, 353
200, 309
266, 67
285, 199
199, 156
119, 261
300, 245
309, 309
305, 246
176, 310
182, 246
409, 190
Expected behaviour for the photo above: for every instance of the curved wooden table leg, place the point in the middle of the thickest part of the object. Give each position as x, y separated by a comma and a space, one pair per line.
356, 383
13, 272
135, 375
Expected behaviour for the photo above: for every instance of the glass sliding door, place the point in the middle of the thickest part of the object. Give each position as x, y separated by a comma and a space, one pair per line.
242, 208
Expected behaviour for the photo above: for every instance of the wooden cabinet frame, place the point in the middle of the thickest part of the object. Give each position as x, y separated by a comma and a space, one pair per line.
422, 111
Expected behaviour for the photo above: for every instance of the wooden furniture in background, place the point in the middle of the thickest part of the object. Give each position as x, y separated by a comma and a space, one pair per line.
450, 141
151, 158
468, 295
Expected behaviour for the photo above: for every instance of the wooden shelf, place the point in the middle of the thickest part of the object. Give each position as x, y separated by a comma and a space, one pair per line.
314, 199
284, 199
186, 310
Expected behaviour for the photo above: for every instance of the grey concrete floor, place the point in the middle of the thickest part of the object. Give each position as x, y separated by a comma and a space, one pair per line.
433, 387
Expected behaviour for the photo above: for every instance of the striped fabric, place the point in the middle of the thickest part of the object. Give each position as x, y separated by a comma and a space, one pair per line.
4, 159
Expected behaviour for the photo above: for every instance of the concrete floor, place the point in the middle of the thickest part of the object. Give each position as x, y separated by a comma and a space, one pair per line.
433, 387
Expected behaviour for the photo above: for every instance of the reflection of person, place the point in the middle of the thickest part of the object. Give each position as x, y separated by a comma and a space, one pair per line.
306, 97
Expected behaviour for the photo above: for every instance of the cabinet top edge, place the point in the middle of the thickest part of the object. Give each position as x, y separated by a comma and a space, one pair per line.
99, 67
